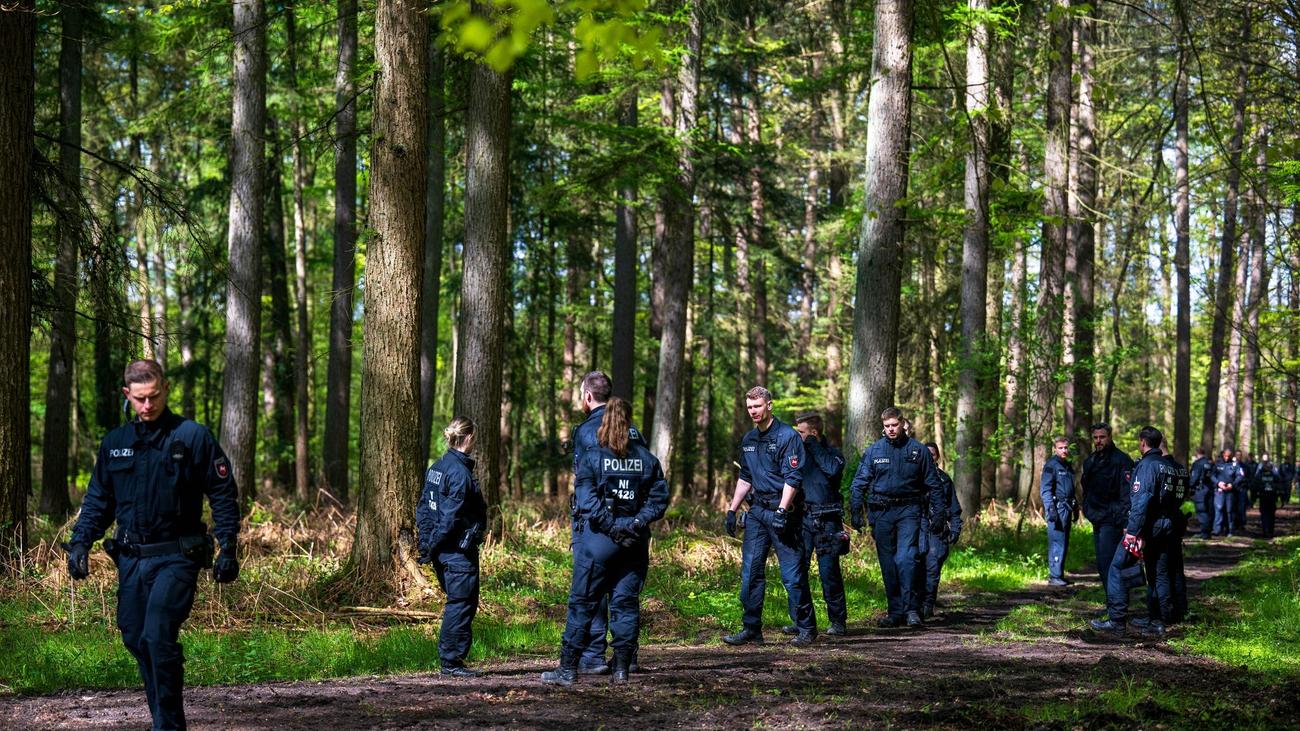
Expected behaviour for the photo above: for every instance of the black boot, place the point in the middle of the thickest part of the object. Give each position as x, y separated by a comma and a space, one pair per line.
622, 661
566, 673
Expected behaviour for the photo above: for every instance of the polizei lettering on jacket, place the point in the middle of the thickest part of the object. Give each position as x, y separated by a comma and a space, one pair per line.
613, 464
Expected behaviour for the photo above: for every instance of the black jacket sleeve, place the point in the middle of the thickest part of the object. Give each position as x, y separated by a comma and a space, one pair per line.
220, 488
99, 507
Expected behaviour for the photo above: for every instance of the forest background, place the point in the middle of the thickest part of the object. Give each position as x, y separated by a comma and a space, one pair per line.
339, 224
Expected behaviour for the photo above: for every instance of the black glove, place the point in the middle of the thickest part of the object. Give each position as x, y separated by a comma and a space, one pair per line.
938, 526
731, 523
426, 554
857, 520
226, 567
779, 519
78, 560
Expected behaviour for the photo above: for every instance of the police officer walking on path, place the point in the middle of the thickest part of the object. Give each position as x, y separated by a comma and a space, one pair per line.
1057, 488
771, 473
935, 545
1268, 480
595, 393
896, 481
823, 519
1203, 493
150, 477
451, 519
1226, 476
620, 490
1156, 493
1105, 495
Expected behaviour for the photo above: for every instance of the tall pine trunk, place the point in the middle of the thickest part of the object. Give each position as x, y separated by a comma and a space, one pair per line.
1259, 276
390, 370
277, 370
338, 391
244, 288
1182, 258
435, 198
623, 349
302, 343
63, 321
879, 275
1083, 237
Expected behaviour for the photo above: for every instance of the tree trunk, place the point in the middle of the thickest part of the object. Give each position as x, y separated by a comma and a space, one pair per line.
1182, 260
756, 231
158, 262
676, 249
244, 288
1259, 276
390, 370
974, 267
1083, 237
301, 346
1228, 404
63, 321
17, 120
879, 275
623, 350
338, 391
1293, 337
277, 370
481, 320
1013, 397
1047, 324
435, 198
1223, 288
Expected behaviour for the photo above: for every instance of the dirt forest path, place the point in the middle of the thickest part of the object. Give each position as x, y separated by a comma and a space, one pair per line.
958, 673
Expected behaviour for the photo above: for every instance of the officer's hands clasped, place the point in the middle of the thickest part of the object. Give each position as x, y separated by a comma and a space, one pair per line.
226, 567
78, 560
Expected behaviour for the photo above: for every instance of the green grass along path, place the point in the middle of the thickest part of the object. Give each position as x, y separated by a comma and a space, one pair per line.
1005, 659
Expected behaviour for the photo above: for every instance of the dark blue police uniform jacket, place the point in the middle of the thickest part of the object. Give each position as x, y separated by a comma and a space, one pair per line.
1057, 488
897, 472
1105, 479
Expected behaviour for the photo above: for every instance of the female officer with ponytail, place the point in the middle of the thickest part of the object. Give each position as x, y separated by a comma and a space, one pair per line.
451, 518
620, 489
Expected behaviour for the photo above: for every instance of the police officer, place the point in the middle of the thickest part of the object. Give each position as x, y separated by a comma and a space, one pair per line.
1203, 493
1244, 499
823, 518
1267, 484
620, 490
451, 519
150, 477
1226, 476
1156, 492
895, 484
771, 476
1057, 489
1105, 495
934, 545
595, 393
1176, 611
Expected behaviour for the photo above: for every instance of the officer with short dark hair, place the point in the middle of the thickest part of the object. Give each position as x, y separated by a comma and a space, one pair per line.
1203, 493
770, 480
1156, 493
823, 518
151, 476
1267, 484
1057, 489
934, 545
1105, 498
1227, 477
451, 520
595, 392
895, 483
620, 490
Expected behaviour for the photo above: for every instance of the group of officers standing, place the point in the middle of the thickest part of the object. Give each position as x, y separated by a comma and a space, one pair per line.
1138, 523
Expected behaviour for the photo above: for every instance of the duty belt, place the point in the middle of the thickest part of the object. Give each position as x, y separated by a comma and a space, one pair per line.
163, 548
876, 502
767, 504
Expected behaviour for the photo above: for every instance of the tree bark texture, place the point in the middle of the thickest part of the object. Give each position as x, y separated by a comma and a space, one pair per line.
623, 349
434, 208
873, 366
1230, 415
1258, 283
63, 321
1083, 237
277, 368
302, 344
481, 320
389, 474
338, 392
1182, 260
244, 245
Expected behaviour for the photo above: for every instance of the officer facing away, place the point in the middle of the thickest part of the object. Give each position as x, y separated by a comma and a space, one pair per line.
150, 476
935, 545
1105, 481
595, 392
1267, 484
1203, 493
771, 462
823, 518
1227, 477
896, 481
452, 519
1057, 488
620, 490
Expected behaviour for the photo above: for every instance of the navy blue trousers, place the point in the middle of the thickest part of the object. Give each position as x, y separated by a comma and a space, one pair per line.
1225, 511
154, 597
1058, 546
897, 532
1116, 593
1105, 539
828, 566
1159, 557
1240, 504
1267, 512
601, 568
1204, 501
458, 576
760, 540
929, 568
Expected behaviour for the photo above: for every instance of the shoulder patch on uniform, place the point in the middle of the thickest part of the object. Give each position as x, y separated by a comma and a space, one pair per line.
794, 460
1137, 486
222, 467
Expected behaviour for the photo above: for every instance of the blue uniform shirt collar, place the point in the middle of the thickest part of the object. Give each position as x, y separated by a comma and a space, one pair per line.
465, 459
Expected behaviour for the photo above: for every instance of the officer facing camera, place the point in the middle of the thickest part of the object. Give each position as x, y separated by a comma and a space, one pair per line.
150, 477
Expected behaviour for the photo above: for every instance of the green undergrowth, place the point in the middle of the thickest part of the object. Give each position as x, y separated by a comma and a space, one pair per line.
280, 623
